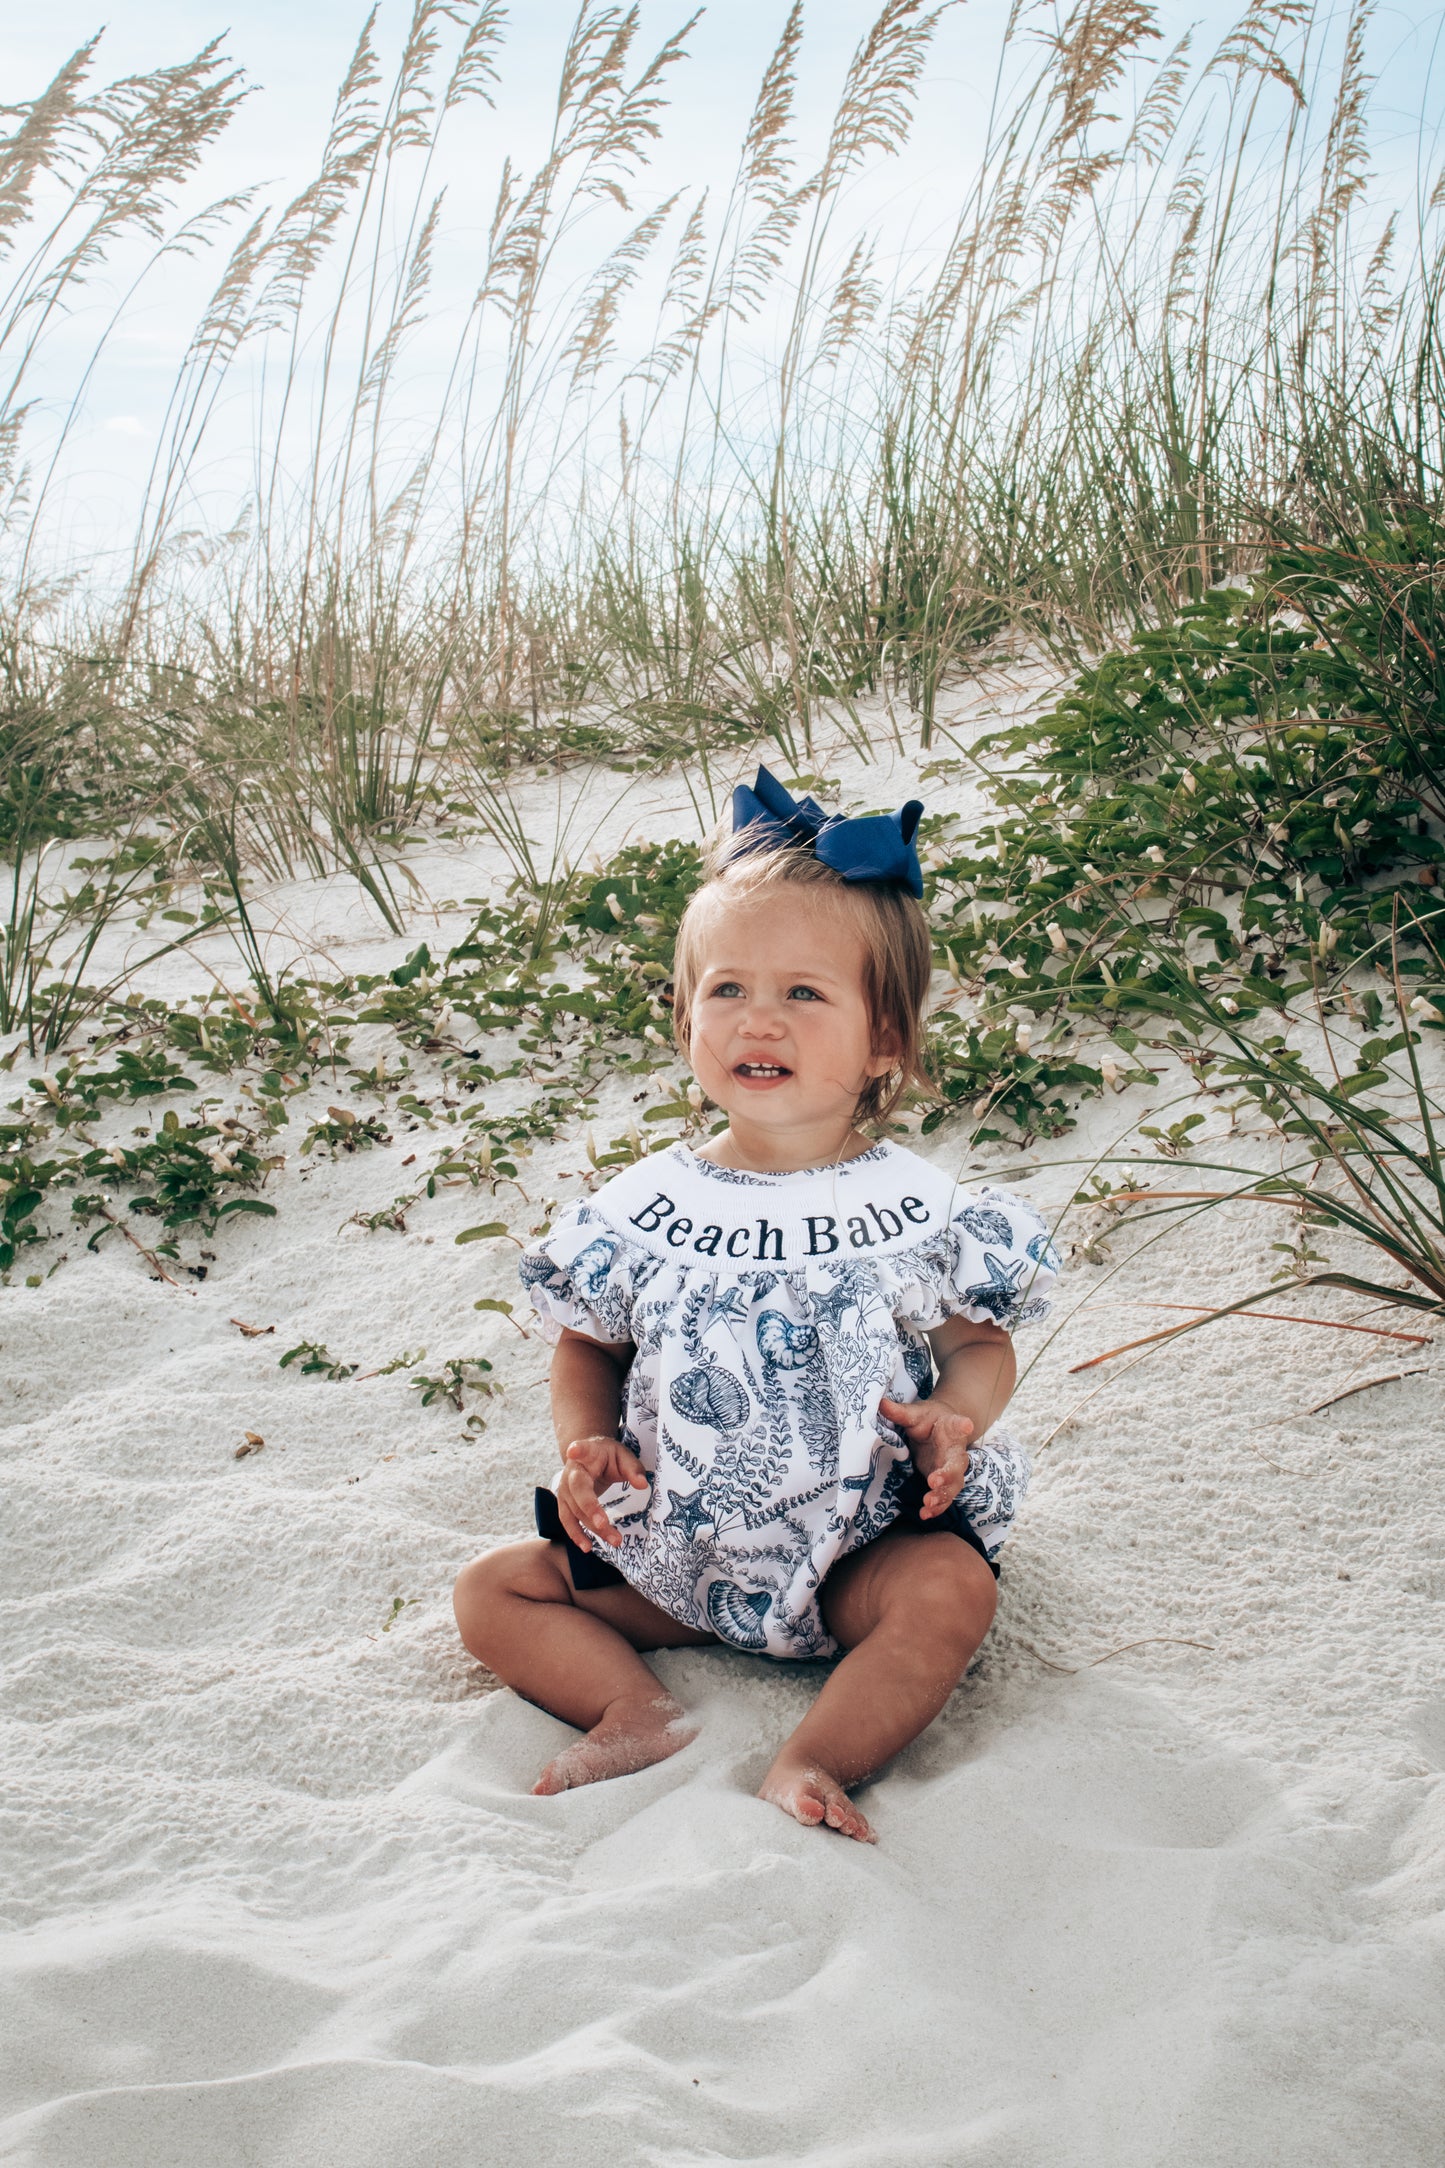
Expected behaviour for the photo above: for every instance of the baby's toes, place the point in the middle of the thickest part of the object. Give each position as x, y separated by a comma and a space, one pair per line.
840, 1813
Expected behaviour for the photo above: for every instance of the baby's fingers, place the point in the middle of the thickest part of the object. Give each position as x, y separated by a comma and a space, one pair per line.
945, 1483
577, 1494
571, 1527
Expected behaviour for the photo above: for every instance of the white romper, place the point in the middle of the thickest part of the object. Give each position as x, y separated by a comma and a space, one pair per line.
770, 1313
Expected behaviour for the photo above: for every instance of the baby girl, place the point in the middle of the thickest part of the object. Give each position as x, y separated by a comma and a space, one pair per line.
779, 1360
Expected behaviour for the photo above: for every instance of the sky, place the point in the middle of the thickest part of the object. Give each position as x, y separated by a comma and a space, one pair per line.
295, 53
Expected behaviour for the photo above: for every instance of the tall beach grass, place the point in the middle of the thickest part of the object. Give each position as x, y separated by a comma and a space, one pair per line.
1172, 304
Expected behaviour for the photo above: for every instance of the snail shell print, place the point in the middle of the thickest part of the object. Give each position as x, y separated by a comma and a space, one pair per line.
590, 1268
785, 1345
710, 1396
736, 1615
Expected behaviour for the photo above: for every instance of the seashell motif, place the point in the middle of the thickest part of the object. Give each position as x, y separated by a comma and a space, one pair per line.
919, 1365
985, 1223
1042, 1251
710, 1396
736, 1615
591, 1266
783, 1344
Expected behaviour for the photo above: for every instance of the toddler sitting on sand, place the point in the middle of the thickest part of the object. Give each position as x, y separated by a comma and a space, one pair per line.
755, 1449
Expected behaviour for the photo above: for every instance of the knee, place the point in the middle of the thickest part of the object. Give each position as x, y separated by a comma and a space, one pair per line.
954, 1595
491, 1584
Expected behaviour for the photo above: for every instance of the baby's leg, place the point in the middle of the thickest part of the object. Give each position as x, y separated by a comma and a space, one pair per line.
574, 1653
910, 1609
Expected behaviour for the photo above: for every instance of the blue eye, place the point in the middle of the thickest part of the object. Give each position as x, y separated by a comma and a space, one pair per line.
804, 993
727, 990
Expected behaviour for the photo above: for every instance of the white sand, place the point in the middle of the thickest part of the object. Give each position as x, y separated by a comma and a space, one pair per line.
276, 1895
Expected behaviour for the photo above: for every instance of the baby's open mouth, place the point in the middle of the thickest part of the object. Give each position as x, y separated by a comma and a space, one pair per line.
760, 1069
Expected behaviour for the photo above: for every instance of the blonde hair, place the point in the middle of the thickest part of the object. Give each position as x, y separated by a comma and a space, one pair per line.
897, 953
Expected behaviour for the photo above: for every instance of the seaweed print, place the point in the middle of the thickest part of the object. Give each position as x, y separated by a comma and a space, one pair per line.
993, 1490
748, 1468
860, 1358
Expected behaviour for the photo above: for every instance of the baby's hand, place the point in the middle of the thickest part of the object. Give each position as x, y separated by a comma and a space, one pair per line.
589, 1467
938, 1441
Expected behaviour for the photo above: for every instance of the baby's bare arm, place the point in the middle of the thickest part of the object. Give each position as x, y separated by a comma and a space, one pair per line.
976, 1371
586, 1380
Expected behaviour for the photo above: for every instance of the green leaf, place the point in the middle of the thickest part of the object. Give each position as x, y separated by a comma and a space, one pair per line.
247, 1204
418, 962
483, 1234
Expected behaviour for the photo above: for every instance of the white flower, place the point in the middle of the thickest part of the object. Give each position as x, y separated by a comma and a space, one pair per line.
615, 908
694, 1097
1057, 942
1109, 1070
1023, 1038
1154, 851
1229, 1005
1426, 1011
1188, 781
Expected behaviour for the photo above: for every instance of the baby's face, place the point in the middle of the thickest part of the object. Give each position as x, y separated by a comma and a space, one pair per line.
781, 1035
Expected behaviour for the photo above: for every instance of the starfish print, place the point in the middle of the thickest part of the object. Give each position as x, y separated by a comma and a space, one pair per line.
687, 1513
731, 1306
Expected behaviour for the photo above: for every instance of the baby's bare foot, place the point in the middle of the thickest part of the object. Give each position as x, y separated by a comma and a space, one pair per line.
630, 1735
811, 1796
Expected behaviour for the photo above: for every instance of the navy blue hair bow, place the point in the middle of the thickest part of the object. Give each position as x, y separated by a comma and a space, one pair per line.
875, 847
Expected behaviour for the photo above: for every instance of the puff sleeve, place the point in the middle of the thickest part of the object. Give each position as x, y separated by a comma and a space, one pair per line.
1002, 1262
584, 1276
994, 1264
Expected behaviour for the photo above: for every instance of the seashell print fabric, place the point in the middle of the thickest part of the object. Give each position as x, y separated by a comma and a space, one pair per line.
769, 1314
